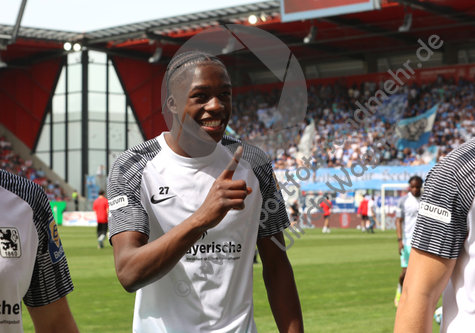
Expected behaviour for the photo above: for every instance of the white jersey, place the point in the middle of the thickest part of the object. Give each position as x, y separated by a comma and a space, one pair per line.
407, 209
152, 190
33, 266
445, 227
370, 207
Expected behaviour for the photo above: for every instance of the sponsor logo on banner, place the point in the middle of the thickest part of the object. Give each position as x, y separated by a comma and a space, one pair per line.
435, 212
10, 246
55, 247
344, 220
118, 202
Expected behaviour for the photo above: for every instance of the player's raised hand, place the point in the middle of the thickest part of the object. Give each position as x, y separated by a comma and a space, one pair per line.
225, 194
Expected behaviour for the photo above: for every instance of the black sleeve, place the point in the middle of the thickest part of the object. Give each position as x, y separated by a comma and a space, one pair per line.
51, 279
441, 226
274, 216
126, 212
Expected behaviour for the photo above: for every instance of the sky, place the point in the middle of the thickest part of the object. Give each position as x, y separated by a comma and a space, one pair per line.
89, 15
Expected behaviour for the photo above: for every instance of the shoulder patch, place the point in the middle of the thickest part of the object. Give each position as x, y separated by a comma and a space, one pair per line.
10, 246
118, 202
55, 247
435, 212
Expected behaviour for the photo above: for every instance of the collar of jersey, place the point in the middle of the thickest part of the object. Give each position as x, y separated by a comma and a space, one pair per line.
186, 161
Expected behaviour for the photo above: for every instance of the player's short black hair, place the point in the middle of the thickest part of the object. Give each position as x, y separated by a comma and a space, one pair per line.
177, 65
101, 192
416, 178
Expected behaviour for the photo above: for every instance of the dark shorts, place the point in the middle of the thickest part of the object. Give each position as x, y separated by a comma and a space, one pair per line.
101, 229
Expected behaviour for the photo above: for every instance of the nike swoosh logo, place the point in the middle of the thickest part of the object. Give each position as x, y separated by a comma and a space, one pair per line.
161, 200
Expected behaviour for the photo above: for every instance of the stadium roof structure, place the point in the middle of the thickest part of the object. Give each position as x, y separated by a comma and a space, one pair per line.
357, 36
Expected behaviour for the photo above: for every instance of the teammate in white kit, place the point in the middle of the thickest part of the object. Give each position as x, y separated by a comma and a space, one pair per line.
183, 232
33, 266
443, 249
406, 216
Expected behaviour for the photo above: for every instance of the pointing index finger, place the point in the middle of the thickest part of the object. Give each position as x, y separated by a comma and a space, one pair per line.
232, 165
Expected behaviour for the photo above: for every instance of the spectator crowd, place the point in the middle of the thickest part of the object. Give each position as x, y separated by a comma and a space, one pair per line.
13, 163
329, 106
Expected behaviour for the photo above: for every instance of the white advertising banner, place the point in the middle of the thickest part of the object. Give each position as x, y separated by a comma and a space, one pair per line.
79, 219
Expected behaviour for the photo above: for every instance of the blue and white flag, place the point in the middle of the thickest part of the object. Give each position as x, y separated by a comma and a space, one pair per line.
416, 131
393, 107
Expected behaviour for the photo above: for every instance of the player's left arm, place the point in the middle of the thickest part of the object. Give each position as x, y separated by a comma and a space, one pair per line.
55, 317
280, 284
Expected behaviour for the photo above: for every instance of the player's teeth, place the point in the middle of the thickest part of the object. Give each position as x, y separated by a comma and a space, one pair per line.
212, 123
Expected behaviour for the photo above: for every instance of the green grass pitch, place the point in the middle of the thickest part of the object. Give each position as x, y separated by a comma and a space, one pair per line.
346, 282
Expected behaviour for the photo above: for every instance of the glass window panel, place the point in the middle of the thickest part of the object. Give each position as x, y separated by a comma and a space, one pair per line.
117, 136
59, 108
43, 142
74, 106
97, 57
97, 134
74, 169
114, 83
61, 85
74, 135
59, 163
113, 155
74, 58
117, 107
135, 136
44, 157
97, 77
58, 136
97, 159
74, 78
97, 106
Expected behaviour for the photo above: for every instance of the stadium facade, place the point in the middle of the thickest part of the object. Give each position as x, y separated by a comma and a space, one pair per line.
77, 109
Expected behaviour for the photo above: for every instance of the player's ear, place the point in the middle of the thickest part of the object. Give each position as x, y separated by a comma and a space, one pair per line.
172, 104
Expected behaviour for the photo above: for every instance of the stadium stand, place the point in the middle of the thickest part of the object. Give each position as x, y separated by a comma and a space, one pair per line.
330, 105
12, 162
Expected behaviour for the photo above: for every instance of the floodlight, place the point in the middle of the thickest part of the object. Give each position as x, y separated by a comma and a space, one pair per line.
406, 23
263, 17
67, 46
156, 56
311, 35
252, 19
77, 47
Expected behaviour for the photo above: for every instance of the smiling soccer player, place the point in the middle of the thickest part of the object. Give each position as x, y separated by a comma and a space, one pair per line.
174, 200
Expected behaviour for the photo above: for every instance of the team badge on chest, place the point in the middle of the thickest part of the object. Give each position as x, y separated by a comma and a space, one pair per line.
10, 246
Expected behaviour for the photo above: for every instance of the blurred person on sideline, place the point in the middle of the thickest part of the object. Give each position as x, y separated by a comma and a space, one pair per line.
75, 198
362, 213
294, 213
372, 220
327, 209
101, 207
442, 257
175, 206
33, 266
406, 215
